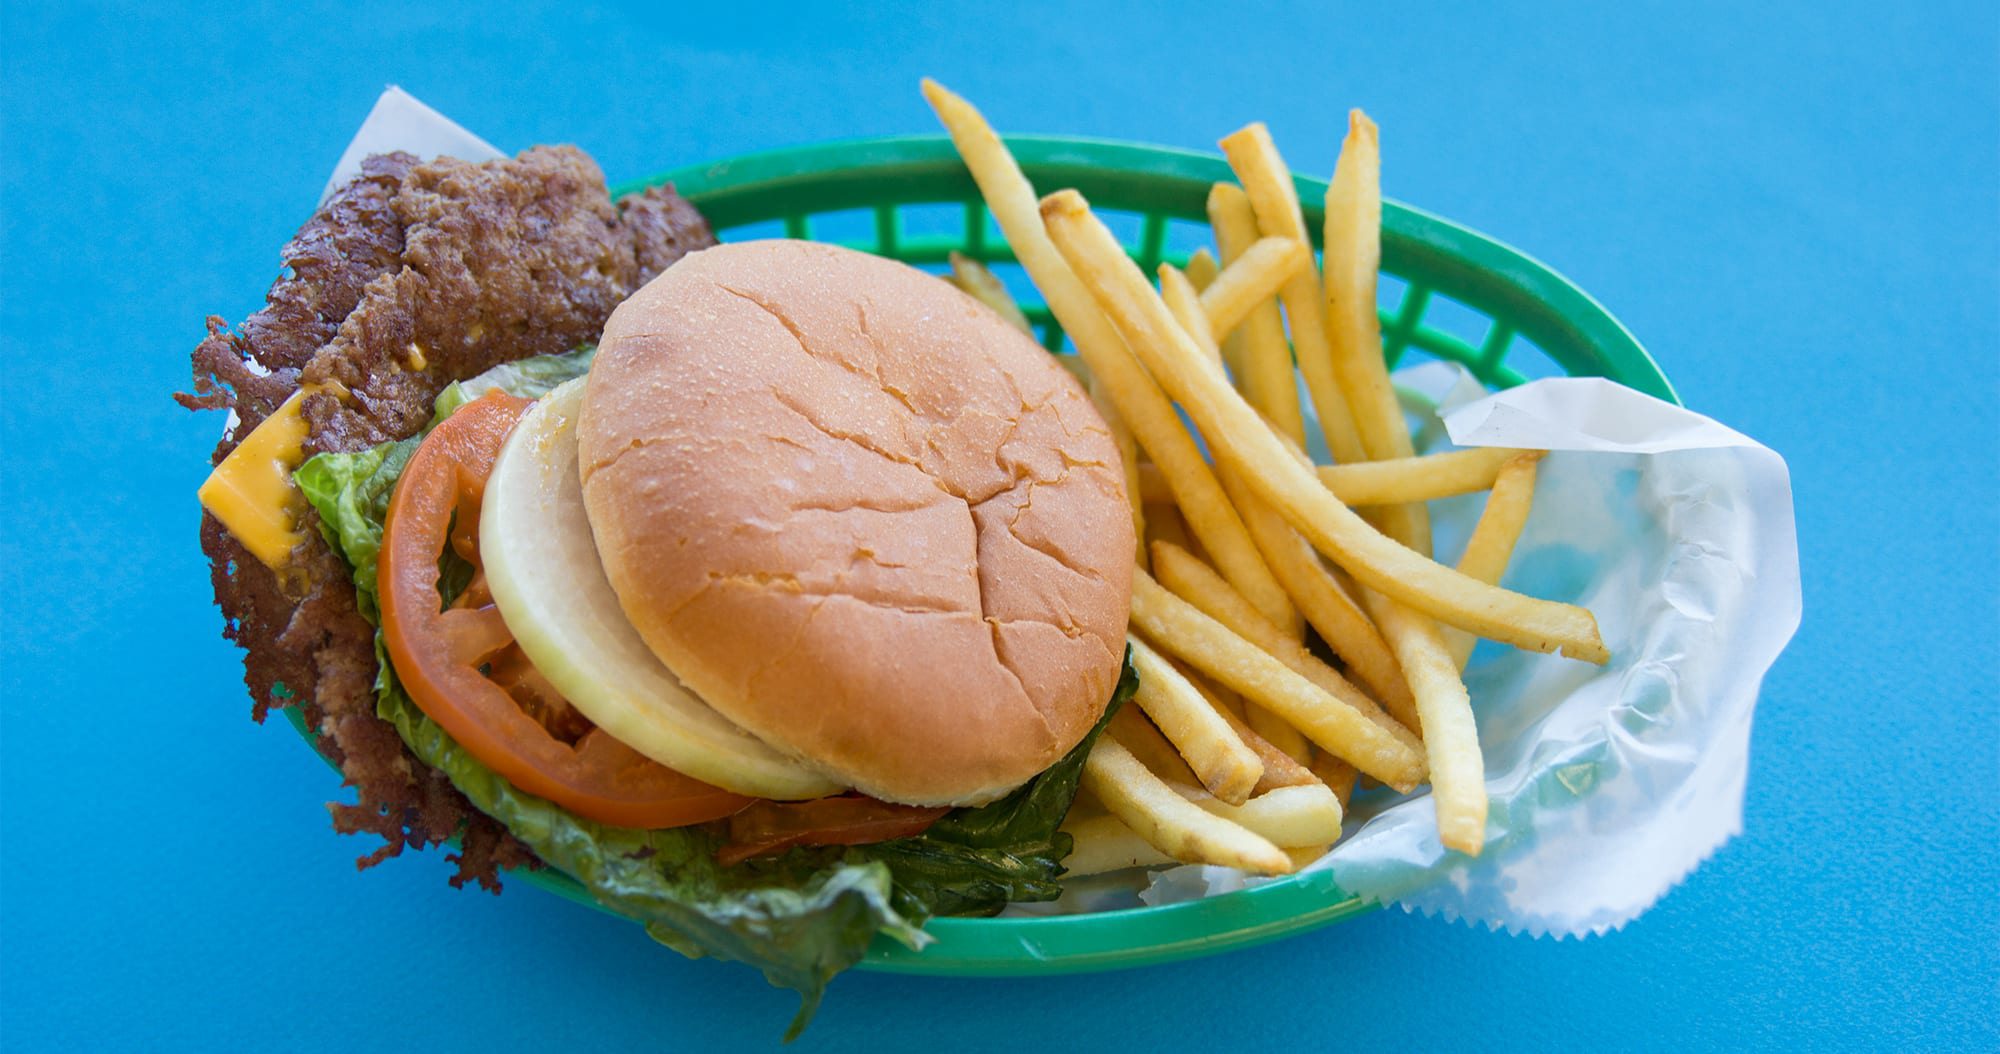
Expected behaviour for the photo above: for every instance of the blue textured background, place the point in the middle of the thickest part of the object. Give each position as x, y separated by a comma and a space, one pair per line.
1798, 211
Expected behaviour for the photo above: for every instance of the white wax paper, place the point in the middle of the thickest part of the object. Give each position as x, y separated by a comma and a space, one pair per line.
399, 122
1608, 784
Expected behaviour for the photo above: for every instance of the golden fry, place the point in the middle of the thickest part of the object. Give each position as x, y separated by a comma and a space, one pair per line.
1263, 366
1353, 255
1181, 629
1268, 182
1272, 729
1323, 600
1187, 311
1395, 481
1235, 432
1335, 773
1451, 736
1202, 269
1253, 278
1199, 585
1223, 763
1103, 844
1131, 727
1289, 817
1493, 539
1280, 768
1185, 303
1169, 822
984, 286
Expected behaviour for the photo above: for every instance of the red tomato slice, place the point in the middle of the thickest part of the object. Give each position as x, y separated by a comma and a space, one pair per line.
438, 654
848, 819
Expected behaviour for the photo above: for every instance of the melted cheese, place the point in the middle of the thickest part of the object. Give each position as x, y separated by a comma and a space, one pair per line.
252, 492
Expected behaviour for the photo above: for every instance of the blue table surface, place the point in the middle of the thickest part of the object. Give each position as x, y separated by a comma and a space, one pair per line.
1798, 210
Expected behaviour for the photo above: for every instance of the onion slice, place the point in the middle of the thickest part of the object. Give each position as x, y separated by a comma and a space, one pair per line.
542, 565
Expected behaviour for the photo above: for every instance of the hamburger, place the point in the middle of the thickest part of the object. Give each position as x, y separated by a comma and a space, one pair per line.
773, 591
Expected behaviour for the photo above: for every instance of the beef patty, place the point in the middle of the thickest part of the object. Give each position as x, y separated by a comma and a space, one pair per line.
411, 276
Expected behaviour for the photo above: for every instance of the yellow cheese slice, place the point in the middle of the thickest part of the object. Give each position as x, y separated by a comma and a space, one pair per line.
252, 493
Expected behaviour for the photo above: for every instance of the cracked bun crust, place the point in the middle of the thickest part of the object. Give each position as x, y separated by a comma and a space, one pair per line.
860, 515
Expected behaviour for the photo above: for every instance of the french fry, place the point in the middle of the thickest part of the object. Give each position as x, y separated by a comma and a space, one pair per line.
984, 286
1273, 729
1280, 768
1181, 300
1451, 736
1103, 844
1352, 258
1323, 601
1202, 269
1185, 302
1353, 255
1263, 366
1199, 585
1253, 278
1235, 432
1169, 822
1179, 628
1131, 727
1306, 854
1288, 817
1335, 773
1128, 459
1395, 481
1201, 273
1492, 543
1268, 182
1164, 523
1144, 408
1223, 763
1321, 592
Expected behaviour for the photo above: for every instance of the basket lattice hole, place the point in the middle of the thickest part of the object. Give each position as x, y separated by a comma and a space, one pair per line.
1129, 229
1015, 278
750, 232
1446, 315
933, 219
927, 232
854, 228
1436, 325
991, 244
1389, 290
1183, 239
1525, 361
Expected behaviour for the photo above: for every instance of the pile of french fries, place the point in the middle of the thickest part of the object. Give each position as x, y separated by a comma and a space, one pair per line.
1245, 744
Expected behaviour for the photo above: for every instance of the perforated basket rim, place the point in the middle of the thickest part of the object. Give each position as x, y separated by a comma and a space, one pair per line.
1525, 297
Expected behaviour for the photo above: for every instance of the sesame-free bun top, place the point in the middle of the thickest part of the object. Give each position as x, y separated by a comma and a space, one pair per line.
860, 515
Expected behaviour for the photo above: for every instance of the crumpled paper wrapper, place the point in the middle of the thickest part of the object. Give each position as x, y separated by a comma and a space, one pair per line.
1608, 784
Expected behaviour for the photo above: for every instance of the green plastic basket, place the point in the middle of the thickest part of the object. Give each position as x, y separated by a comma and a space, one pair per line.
1463, 297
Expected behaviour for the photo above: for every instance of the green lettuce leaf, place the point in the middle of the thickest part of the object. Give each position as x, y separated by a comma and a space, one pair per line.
799, 917
351, 494
526, 378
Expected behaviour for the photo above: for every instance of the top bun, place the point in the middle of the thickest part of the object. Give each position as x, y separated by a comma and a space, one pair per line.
860, 515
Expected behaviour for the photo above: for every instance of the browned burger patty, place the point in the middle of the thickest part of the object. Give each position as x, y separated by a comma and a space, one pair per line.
408, 278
